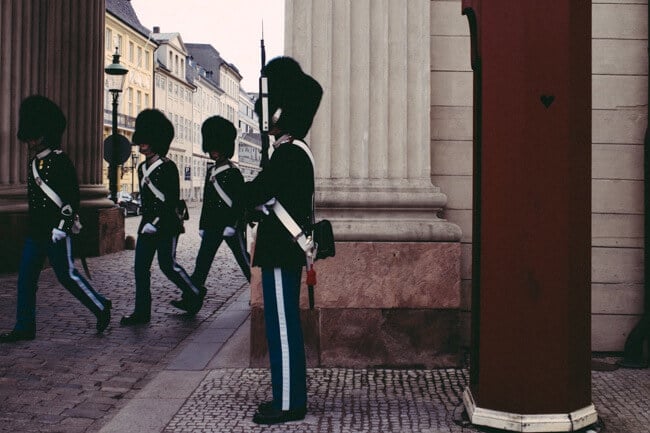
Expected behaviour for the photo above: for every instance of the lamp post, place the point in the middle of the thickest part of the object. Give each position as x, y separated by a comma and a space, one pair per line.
115, 78
134, 161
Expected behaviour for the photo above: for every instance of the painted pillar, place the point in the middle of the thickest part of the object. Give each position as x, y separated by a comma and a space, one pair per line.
54, 49
391, 295
530, 367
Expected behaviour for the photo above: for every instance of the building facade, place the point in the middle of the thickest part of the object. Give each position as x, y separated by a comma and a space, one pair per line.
206, 103
220, 95
124, 32
174, 97
250, 142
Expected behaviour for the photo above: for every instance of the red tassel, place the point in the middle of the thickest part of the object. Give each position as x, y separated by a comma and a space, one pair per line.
311, 276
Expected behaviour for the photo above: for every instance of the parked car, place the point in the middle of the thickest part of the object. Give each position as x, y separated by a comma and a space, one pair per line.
130, 205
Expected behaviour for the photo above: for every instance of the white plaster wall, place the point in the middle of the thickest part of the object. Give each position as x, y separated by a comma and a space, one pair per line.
619, 100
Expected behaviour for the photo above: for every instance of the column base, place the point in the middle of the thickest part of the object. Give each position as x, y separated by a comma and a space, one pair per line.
556, 422
377, 304
385, 210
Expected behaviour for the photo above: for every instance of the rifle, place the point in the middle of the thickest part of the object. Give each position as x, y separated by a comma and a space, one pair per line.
264, 101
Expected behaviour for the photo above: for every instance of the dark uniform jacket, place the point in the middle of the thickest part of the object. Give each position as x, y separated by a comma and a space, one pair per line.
55, 169
161, 214
216, 214
289, 177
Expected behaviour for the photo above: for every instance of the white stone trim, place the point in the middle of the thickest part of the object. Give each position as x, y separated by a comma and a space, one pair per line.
556, 422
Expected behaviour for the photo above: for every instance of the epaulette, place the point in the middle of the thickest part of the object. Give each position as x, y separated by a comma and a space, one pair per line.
58, 151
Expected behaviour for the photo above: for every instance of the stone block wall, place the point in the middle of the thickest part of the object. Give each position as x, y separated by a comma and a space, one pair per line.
390, 304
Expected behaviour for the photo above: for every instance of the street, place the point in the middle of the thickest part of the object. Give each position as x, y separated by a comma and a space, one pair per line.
69, 379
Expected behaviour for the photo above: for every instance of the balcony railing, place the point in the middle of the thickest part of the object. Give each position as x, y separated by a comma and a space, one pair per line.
123, 121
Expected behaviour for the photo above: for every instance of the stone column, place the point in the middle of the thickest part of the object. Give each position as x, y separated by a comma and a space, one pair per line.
371, 135
54, 49
391, 294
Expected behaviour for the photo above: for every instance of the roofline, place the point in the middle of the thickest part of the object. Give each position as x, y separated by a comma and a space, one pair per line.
148, 37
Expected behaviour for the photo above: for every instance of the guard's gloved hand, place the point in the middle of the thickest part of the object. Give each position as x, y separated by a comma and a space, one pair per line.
228, 232
264, 206
57, 235
201, 233
149, 229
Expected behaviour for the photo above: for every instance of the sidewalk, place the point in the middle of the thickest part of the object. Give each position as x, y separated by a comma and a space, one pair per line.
191, 375
213, 390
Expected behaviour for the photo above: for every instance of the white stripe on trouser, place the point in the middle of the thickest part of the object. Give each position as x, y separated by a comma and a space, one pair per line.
284, 338
76, 279
179, 270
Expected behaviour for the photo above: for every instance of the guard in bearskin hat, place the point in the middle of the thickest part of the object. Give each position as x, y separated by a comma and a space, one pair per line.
293, 98
222, 211
53, 193
160, 225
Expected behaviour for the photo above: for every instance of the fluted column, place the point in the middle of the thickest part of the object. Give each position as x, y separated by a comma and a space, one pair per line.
54, 48
19, 77
74, 50
371, 134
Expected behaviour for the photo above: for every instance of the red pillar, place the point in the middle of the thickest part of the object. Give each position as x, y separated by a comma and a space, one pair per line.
531, 340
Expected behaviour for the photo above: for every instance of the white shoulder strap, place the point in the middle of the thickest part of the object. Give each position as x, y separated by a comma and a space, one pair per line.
46, 189
220, 190
146, 171
305, 242
303, 146
291, 225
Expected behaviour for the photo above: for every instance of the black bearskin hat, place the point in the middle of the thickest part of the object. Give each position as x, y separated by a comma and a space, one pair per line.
292, 91
40, 117
219, 134
154, 129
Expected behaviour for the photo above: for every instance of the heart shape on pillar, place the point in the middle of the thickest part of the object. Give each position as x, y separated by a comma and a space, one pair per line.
547, 100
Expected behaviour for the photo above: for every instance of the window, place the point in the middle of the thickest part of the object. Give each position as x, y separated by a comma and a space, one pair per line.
147, 56
131, 52
119, 44
138, 102
129, 98
108, 40
146, 100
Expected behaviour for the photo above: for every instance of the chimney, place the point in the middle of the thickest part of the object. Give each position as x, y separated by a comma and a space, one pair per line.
156, 29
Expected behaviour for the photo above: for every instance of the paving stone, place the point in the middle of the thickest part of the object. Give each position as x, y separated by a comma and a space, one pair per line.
71, 380
68, 361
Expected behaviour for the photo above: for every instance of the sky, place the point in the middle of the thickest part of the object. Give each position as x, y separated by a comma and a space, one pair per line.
233, 27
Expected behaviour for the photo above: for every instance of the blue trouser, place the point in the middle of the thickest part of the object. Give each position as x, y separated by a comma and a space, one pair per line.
165, 246
62, 262
209, 246
281, 288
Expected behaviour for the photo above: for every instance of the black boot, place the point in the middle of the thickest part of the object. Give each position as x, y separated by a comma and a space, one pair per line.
135, 319
13, 336
191, 306
104, 317
276, 416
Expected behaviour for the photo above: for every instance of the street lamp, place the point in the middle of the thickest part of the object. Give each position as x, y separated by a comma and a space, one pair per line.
115, 78
134, 161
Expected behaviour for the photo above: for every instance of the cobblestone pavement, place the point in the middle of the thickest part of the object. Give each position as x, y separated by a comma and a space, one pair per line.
71, 380
168, 377
426, 401
341, 400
